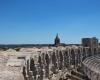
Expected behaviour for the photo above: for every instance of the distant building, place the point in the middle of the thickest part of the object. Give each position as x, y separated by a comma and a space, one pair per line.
95, 42
90, 42
57, 40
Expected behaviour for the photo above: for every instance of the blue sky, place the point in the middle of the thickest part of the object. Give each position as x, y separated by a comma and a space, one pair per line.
38, 21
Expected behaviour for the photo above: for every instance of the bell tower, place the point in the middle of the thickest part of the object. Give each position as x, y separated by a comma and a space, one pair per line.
57, 40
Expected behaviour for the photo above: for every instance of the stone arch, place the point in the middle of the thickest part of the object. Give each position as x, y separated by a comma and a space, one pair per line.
95, 51
72, 57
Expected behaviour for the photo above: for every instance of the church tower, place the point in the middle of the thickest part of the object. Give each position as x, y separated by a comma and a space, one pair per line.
57, 40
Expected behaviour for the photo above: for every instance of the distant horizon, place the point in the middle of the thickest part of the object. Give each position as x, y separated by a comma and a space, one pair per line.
44, 43
38, 21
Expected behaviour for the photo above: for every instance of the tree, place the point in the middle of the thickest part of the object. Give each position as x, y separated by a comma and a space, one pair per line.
17, 49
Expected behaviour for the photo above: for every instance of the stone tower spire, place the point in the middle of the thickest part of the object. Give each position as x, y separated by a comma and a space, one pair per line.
57, 40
